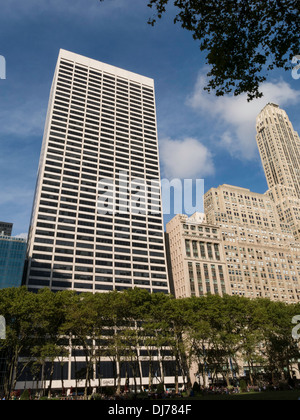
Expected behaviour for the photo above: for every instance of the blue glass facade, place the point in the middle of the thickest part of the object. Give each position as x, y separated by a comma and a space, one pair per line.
12, 258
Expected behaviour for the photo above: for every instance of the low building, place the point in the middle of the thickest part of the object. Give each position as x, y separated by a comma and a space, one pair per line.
196, 256
6, 228
12, 259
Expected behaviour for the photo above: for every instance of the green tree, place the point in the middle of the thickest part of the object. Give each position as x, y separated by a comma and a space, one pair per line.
171, 318
115, 316
200, 332
280, 348
252, 337
18, 307
243, 39
101, 330
25, 395
48, 318
215, 332
80, 325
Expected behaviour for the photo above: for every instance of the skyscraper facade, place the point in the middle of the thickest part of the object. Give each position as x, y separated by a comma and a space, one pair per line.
279, 147
97, 219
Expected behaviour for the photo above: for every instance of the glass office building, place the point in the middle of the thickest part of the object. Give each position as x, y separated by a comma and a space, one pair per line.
12, 258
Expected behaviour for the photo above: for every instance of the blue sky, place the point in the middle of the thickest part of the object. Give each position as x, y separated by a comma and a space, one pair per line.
200, 136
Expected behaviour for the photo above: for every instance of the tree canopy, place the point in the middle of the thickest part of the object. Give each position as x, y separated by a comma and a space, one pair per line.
220, 335
243, 39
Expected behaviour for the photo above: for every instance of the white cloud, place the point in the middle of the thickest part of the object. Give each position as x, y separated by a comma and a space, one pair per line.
185, 159
22, 119
22, 236
233, 117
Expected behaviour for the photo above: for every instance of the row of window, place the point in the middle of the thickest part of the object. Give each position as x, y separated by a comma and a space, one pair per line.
203, 250
83, 74
33, 283
107, 144
111, 160
105, 370
67, 93
107, 98
208, 279
71, 203
195, 228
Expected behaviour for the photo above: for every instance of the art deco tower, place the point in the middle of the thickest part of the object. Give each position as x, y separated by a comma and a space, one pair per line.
279, 147
101, 125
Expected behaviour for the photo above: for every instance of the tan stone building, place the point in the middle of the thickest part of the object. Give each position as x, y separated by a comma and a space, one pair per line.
257, 235
246, 244
196, 256
279, 147
262, 256
239, 247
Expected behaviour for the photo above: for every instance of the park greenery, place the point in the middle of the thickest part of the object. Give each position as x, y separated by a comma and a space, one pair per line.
215, 333
243, 39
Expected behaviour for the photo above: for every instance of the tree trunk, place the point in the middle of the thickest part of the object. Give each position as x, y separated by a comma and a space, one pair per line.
50, 379
43, 380
250, 374
99, 374
162, 373
87, 374
13, 370
176, 377
150, 375
119, 376
140, 375
62, 376
227, 378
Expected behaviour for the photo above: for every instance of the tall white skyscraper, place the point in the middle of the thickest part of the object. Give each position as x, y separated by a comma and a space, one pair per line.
279, 147
100, 142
